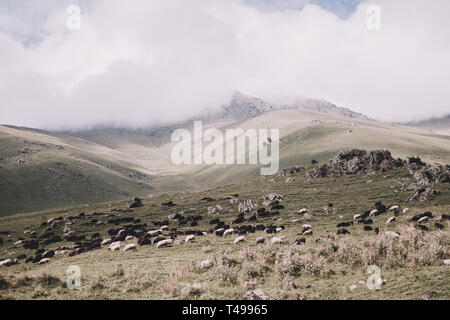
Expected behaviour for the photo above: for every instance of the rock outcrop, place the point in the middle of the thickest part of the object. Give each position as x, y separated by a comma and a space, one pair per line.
356, 161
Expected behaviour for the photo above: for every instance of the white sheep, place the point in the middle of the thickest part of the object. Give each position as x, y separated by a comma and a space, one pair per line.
6, 262
45, 260
357, 216
276, 240
393, 208
115, 246
306, 227
373, 213
278, 230
391, 219
239, 239
190, 238
154, 233
228, 231
120, 232
164, 243
302, 211
405, 210
163, 228
423, 219
392, 234
129, 238
106, 241
130, 246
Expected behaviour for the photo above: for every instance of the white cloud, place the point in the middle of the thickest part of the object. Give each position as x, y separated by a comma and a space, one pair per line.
142, 62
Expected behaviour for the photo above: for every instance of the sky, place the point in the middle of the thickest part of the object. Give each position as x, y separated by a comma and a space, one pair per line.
139, 63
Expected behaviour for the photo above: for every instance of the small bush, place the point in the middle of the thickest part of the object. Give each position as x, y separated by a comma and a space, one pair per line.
416, 160
4, 284
228, 274
49, 281
313, 161
24, 282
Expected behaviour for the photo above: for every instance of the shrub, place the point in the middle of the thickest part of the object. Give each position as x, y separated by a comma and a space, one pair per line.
4, 284
49, 281
416, 160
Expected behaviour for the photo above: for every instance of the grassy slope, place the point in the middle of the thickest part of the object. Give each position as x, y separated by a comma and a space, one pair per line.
166, 273
58, 173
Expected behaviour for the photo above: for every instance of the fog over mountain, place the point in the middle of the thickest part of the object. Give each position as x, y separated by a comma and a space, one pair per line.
154, 62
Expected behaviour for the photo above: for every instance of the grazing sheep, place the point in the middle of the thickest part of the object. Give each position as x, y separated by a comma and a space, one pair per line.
60, 252
45, 260
106, 241
373, 213
164, 243
228, 231
306, 227
423, 219
405, 210
18, 242
344, 224
343, 231
439, 226
278, 230
392, 234
129, 238
190, 238
260, 240
239, 239
206, 264
6, 262
302, 211
391, 219
115, 246
130, 246
368, 228
357, 216
276, 240
308, 232
154, 233
164, 228
300, 241
393, 208
120, 232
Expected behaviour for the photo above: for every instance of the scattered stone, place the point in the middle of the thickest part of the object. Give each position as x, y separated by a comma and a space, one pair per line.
256, 294
356, 161
134, 203
205, 264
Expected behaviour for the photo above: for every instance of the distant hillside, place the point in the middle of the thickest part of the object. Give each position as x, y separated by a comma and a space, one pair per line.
437, 125
42, 170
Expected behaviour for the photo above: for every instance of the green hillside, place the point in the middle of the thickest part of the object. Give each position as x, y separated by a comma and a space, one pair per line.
328, 266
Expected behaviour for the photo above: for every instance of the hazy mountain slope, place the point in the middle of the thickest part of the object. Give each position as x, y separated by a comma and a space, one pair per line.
95, 165
307, 135
437, 125
39, 171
